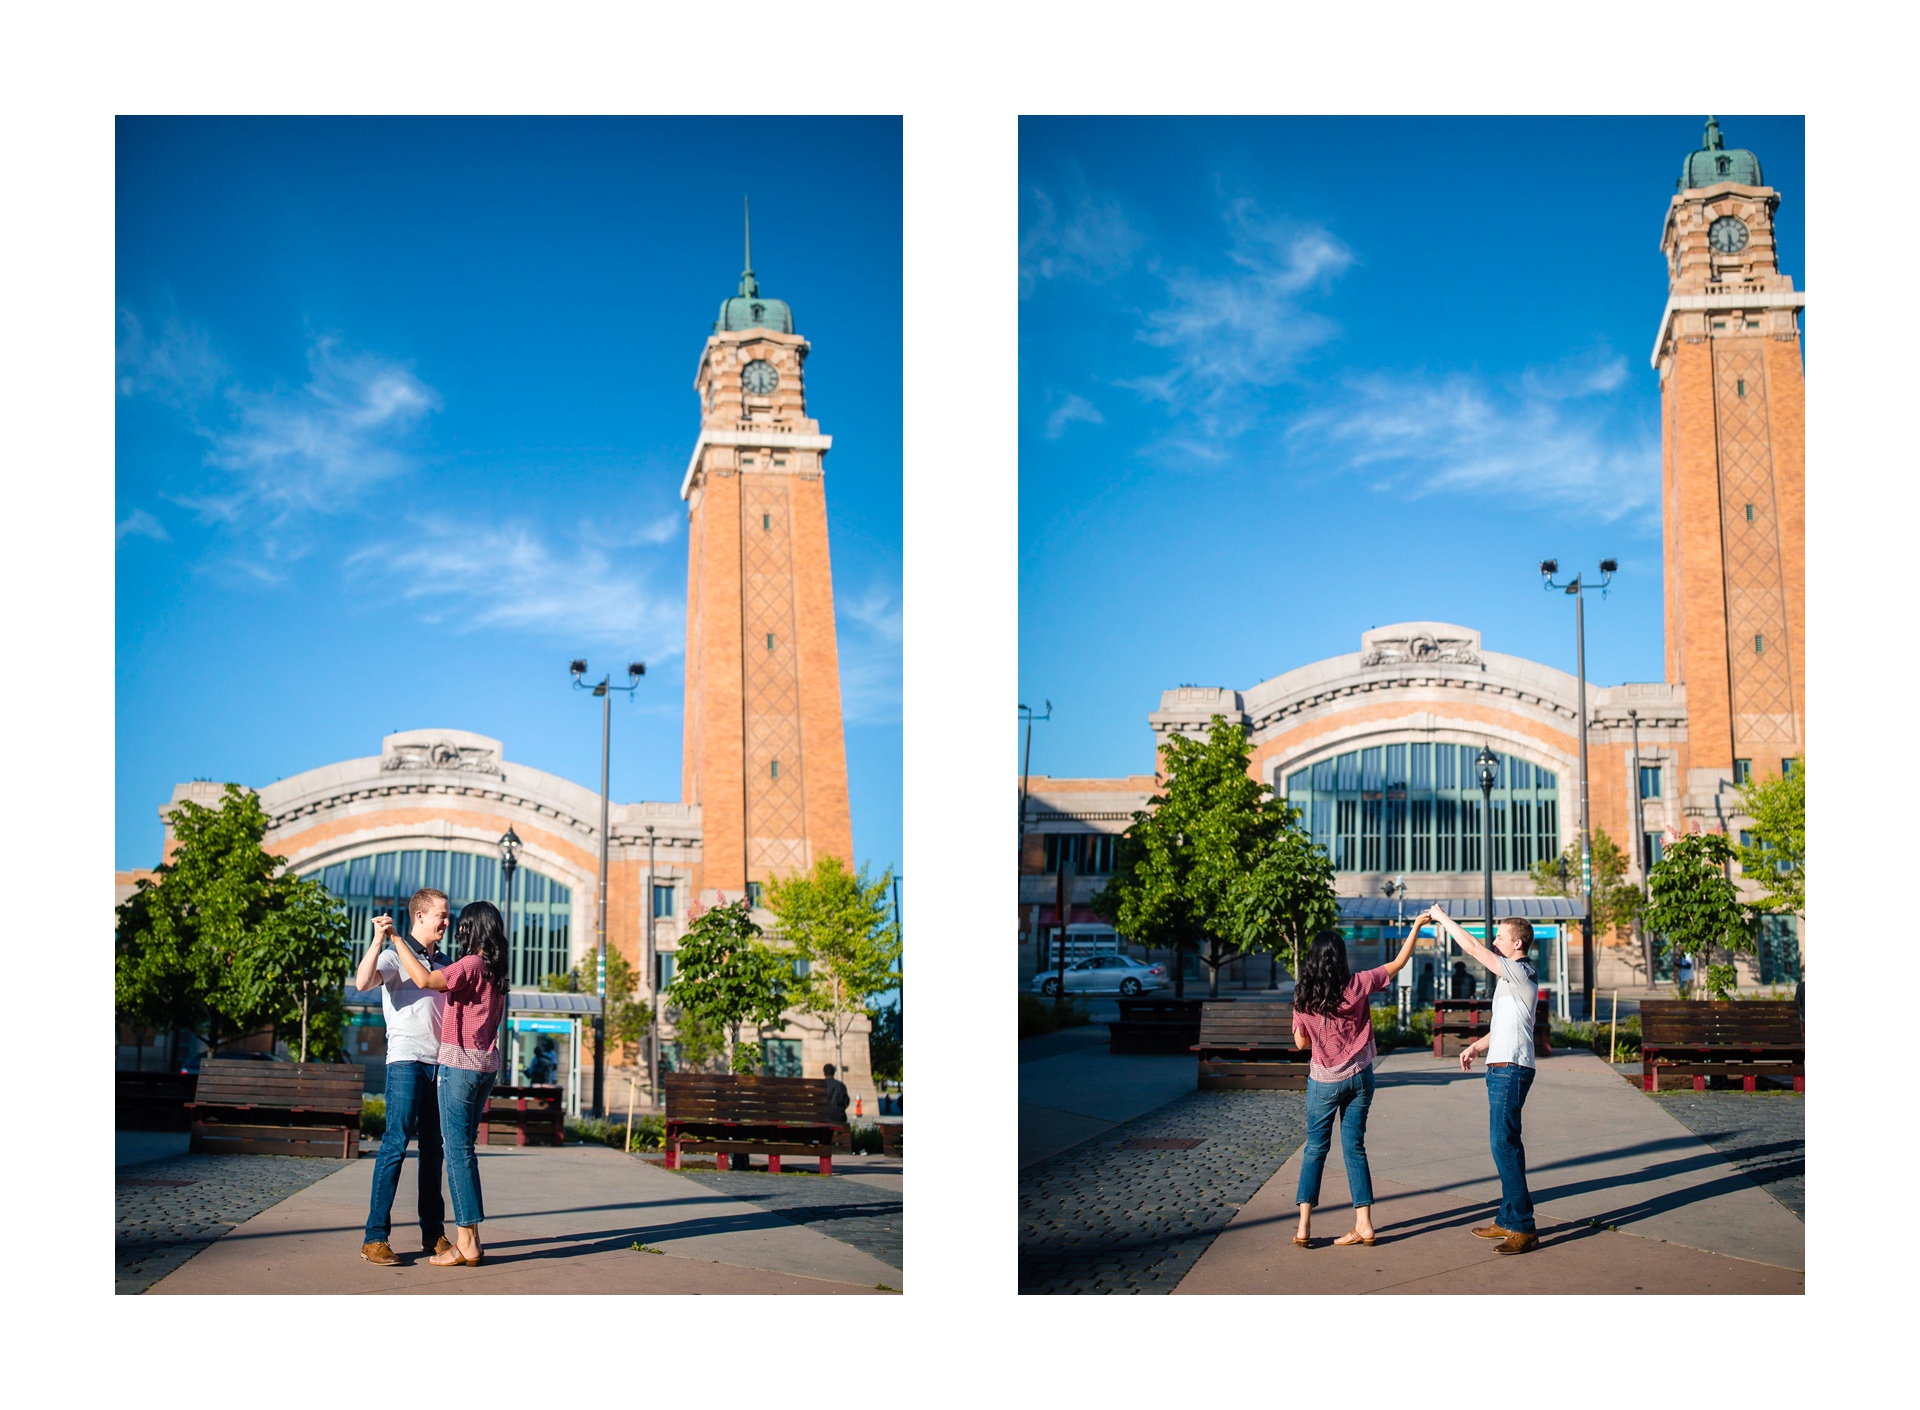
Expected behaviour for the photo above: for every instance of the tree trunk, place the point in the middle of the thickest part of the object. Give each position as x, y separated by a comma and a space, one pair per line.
1213, 976
303, 1023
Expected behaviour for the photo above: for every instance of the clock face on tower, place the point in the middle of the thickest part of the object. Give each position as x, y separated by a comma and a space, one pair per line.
1728, 235
759, 377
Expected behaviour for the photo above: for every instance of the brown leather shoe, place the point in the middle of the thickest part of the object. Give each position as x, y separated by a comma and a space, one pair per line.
1492, 1231
439, 1245
1518, 1243
378, 1253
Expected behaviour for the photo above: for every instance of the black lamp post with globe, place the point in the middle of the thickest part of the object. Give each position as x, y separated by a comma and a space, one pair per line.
509, 845
1487, 765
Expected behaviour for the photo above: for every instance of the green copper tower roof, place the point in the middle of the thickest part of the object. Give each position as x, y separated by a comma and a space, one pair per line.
748, 309
1716, 162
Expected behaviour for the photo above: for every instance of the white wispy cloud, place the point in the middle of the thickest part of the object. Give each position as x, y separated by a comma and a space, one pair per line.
876, 610
610, 533
318, 446
869, 628
1075, 235
1073, 408
516, 577
1231, 332
140, 522
1551, 438
174, 363
283, 451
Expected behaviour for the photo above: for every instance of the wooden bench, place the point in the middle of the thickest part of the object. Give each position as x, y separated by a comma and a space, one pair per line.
151, 1101
277, 1108
1743, 1039
1458, 1022
524, 1116
747, 1115
1249, 1046
1156, 1025
889, 1137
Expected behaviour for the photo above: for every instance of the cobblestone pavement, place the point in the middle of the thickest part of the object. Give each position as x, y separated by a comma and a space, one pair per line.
865, 1216
1096, 1218
1764, 1134
166, 1211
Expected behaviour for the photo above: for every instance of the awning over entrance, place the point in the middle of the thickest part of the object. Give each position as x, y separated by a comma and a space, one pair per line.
522, 1002
1378, 909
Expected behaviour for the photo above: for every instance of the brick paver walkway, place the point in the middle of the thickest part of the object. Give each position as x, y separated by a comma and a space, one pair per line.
864, 1216
1764, 1134
1097, 1218
166, 1211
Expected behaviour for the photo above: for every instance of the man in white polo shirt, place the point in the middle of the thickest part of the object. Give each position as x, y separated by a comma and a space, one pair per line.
413, 1054
1509, 1049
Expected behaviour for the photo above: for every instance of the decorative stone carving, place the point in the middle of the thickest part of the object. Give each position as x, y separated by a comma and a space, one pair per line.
1421, 648
444, 756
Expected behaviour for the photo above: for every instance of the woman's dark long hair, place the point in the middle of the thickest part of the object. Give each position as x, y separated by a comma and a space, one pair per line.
481, 932
1323, 974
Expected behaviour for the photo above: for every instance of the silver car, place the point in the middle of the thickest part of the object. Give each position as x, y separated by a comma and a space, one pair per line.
1104, 973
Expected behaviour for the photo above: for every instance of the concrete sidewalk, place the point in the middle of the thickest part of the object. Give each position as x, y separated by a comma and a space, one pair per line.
1072, 1088
559, 1220
1626, 1200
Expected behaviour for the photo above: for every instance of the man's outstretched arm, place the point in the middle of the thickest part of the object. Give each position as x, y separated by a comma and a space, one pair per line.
1473, 947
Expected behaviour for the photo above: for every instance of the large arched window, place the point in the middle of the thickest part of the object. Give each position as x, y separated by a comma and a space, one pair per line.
381, 885
1416, 807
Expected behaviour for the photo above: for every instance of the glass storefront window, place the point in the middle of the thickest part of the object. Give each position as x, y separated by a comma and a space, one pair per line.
383, 883
1417, 806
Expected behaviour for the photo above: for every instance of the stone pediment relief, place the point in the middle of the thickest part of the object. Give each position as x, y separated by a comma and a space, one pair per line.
444, 755
1421, 644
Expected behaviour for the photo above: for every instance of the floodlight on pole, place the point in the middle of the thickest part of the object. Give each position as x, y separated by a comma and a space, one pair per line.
604, 689
1577, 591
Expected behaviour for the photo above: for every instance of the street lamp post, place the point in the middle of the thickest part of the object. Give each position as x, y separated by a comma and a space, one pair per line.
653, 985
1026, 764
1396, 892
509, 845
1576, 590
605, 689
1487, 765
1640, 845
1063, 902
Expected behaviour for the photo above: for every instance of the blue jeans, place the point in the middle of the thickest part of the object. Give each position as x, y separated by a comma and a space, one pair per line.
413, 1109
463, 1101
1350, 1100
1507, 1089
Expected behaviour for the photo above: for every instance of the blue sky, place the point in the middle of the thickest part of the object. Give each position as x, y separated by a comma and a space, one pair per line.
1286, 379
402, 412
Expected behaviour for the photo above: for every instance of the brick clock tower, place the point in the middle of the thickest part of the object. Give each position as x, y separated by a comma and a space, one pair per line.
764, 753
1734, 476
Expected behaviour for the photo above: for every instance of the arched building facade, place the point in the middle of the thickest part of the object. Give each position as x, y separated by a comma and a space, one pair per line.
1373, 746
765, 788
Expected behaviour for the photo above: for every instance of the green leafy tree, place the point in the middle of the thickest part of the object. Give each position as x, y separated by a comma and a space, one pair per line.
293, 971
1776, 859
701, 1040
726, 976
628, 1015
1695, 909
1616, 901
1286, 896
1212, 866
841, 924
884, 1046
222, 942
